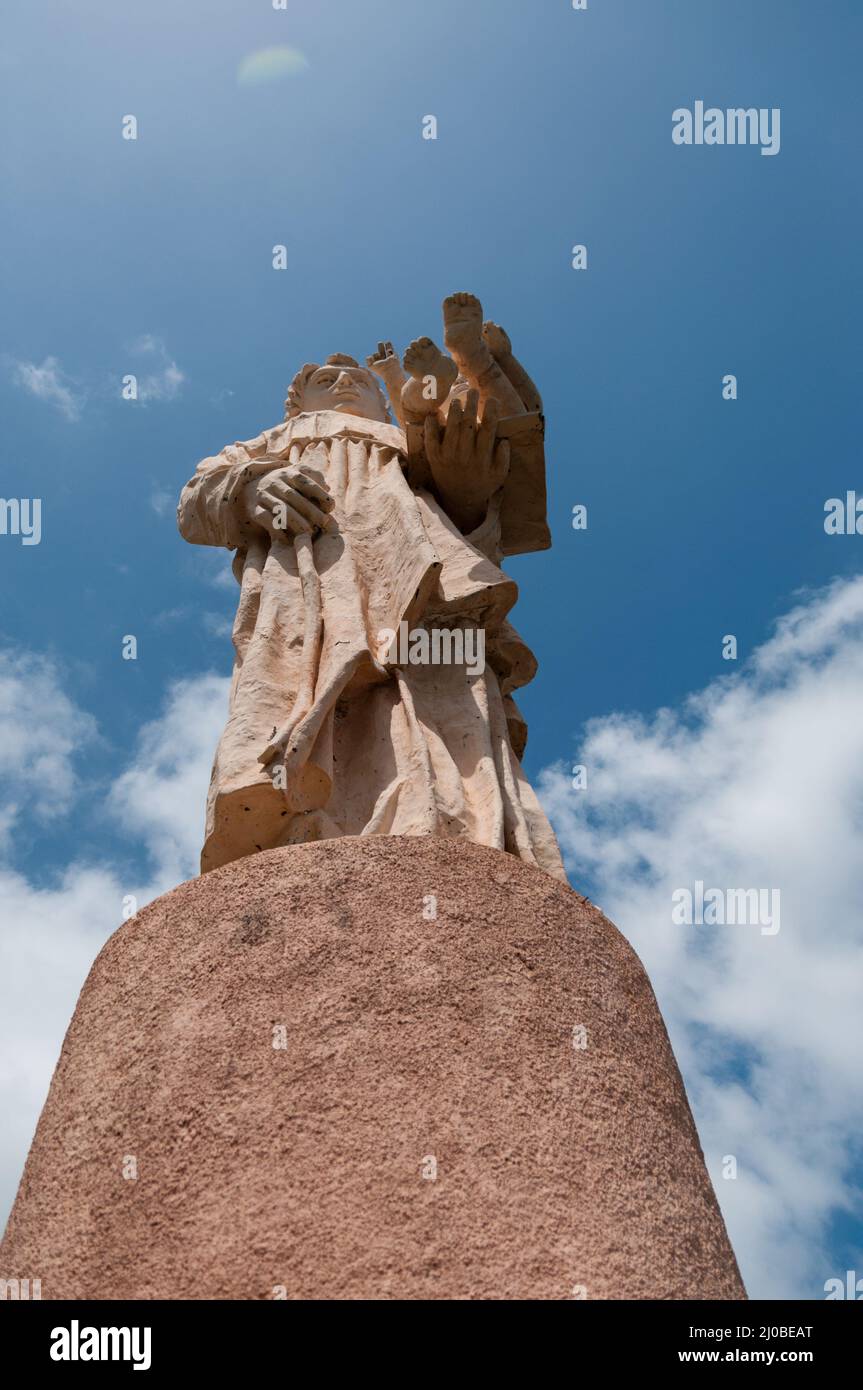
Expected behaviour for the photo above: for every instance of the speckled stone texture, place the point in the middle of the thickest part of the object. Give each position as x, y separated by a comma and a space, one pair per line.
268, 1172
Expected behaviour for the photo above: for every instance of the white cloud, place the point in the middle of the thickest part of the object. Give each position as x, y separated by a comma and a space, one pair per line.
218, 625
51, 934
166, 380
40, 731
162, 501
756, 781
49, 940
159, 799
48, 382
220, 566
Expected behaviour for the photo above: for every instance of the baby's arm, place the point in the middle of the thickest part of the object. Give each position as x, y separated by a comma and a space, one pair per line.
386, 365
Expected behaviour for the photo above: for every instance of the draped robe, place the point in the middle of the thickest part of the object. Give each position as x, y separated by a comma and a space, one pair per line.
368, 747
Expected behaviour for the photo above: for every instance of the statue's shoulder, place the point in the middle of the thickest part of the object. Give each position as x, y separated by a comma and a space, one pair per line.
241, 452
264, 444
316, 425
310, 428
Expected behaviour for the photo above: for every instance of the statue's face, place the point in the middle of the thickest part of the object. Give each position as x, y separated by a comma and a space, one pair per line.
351, 390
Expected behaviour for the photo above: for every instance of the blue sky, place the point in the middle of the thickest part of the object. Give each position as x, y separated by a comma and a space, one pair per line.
154, 257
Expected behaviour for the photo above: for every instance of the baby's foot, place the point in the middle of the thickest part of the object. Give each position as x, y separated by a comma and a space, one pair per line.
424, 358
496, 340
464, 336
432, 376
462, 318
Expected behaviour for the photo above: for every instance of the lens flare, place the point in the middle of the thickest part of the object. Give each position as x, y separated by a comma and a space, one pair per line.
270, 65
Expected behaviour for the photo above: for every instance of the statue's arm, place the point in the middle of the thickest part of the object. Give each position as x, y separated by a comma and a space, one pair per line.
385, 364
246, 490
213, 505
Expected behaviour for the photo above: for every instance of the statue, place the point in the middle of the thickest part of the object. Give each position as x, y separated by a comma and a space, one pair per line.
372, 708
375, 663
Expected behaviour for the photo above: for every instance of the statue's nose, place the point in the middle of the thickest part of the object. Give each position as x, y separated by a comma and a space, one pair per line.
345, 381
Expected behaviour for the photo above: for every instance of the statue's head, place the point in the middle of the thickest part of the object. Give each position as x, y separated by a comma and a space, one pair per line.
340, 384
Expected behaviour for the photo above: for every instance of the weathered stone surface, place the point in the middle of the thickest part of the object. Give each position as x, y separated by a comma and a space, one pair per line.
407, 1039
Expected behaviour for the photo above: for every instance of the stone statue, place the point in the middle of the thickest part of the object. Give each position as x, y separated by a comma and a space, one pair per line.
375, 664
372, 735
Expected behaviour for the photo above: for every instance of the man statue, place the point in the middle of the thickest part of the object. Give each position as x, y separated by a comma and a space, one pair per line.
368, 555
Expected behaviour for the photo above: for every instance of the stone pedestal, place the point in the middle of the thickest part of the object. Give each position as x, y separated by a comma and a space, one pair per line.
354, 1069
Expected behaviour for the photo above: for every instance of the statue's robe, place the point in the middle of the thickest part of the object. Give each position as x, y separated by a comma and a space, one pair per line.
370, 747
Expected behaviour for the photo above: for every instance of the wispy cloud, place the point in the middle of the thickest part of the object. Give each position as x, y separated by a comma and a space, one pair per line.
162, 501
48, 382
755, 781
163, 380
216, 568
218, 624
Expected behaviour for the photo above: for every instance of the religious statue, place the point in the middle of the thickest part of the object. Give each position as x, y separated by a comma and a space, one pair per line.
375, 663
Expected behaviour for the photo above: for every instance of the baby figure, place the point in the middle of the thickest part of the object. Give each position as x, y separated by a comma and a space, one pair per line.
480, 358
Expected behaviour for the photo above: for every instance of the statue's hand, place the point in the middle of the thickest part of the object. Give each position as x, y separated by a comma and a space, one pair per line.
288, 501
383, 360
468, 462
